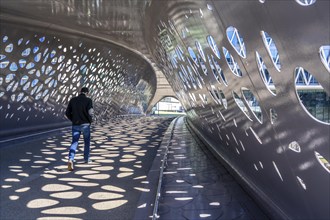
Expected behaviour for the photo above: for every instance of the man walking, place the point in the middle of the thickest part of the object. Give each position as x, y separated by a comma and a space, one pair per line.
80, 112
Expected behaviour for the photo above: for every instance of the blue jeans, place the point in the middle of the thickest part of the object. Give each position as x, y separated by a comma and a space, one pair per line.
76, 131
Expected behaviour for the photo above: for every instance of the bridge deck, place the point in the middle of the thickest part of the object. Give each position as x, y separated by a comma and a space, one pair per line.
35, 183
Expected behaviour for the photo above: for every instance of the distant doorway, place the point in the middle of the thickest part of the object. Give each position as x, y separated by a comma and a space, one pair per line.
168, 106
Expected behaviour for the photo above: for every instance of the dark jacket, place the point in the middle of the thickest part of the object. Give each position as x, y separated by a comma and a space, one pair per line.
80, 110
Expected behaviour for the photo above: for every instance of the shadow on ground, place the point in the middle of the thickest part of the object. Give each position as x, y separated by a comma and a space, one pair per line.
35, 183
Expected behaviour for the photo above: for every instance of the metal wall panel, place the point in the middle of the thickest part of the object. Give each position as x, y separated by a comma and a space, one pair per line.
41, 69
261, 100
245, 100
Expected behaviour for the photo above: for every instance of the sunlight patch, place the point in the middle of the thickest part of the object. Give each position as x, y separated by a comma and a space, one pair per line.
68, 210
113, 188
97, 176
55, 187
41, 203
109, 204
67, 195
105, 196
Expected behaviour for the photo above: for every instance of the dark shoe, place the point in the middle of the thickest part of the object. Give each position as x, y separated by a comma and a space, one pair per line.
88, 161
70, 165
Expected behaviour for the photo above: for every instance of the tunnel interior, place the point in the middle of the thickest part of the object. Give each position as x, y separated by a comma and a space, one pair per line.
252, 76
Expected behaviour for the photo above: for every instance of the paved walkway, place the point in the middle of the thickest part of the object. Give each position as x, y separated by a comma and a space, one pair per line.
196, 186
122, 182
35, 183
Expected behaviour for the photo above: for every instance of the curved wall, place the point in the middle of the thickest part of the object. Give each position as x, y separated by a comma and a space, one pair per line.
42, 68
254, 79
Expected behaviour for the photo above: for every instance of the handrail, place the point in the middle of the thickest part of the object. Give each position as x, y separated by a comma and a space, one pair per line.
156, 203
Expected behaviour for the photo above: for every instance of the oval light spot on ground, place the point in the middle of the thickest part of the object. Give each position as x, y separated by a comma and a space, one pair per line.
72, 179
25, 160
198, 186
111, 155
121, 175
12, 180
23, 174
93, 158
16, 170
56, 218
23, 189
41, 203
15, 167
49, 153
113, 188
55, 188
86, 184
86, 172
129, 156
69, 210
183, 198
97, 176
67, 195
41, 162
142, 189
48, 176
85, 165
140, 177
59, 148
106, 161
125, 169
126, 160
105, 196
99, 150
50, 159
103, 168
109, 204
13, 197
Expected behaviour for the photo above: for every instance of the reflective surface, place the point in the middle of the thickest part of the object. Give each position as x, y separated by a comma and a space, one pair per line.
215, 55
35, 183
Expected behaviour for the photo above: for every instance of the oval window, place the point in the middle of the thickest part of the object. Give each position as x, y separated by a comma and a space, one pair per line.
324, 162
273, 115
9, 78
22, 63
9, 48
2, 56
305, 2
252, 103
294, 146
179, 53
13, 67
265, 75
236, 41
24, 79
271, 49
200, 50
213, 46
325, 56
35, 49
192, 55
26, 52
312, 96
241, 105
232, 63
219, 73
4, 64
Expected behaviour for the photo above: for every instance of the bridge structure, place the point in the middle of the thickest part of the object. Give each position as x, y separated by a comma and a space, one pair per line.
253, 77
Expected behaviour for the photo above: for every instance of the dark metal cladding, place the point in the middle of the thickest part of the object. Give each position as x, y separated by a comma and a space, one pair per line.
253, 76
